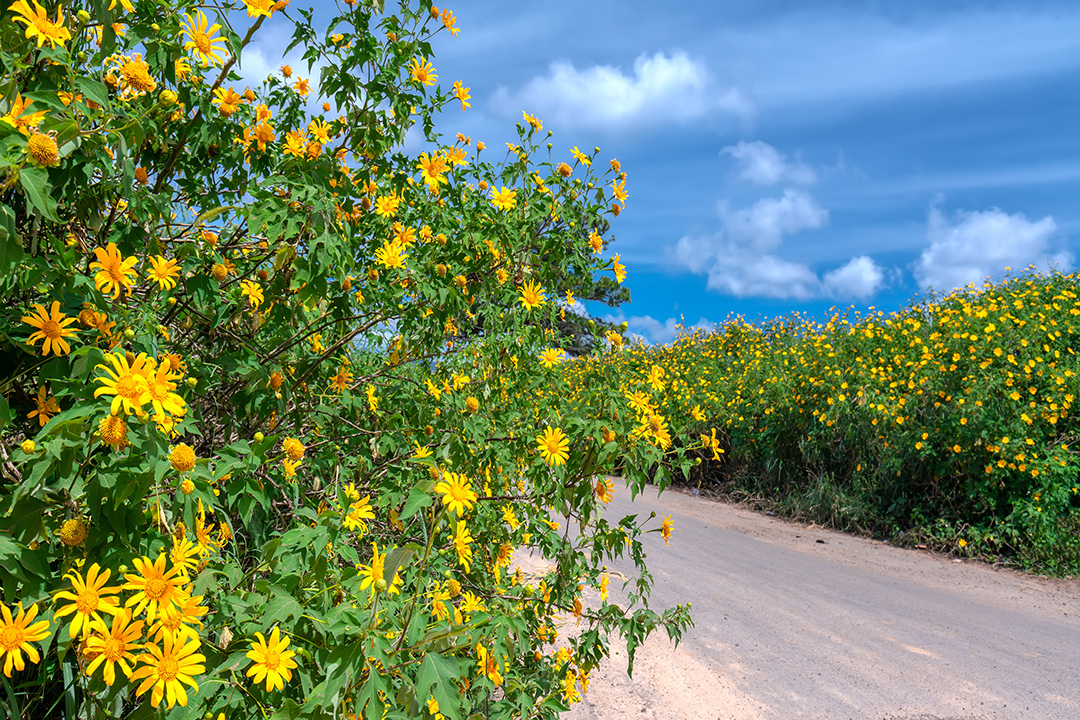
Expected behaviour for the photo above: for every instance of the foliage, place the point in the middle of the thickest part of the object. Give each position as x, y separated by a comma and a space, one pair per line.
948, 422
274, 389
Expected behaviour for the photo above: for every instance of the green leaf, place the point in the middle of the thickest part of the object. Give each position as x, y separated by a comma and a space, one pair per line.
35, 181
397, 559
437, 678
418, 499
11, 250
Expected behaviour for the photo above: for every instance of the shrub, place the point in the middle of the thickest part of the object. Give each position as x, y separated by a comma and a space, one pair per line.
279, 403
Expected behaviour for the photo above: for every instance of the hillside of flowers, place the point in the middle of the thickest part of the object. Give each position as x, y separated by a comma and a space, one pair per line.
280, 422
949, 423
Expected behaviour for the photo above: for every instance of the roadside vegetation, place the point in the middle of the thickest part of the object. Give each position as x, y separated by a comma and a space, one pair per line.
949, 423
277, 405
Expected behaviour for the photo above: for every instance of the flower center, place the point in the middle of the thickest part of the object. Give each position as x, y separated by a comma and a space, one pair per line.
129, 388
11, 638
168, 669
272, 660
50, 329
156, 588
202, 42
87, 601
113, 649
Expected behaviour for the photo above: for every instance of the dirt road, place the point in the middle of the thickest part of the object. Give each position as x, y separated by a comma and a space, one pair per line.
795, 622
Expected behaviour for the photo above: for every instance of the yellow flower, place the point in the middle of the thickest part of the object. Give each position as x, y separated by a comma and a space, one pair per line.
422, 72
73, 532
16, 634
532, 295
114, 646
665, 529
252, 291
52, 327
155, 589
179, 621
43, 149
256, 8
293, 448
182, 457
272, 661
504, 199
163, 271
113, 270
554, 446
387, 205
90, 597
391, 254
604, 490
551, 357
113, 431
167, 669
23, 123
359, 511
38, 25
462, 94
471, 404
462, 540
488, 665
203, 43
342, 380
618, 268
458, 495
128, 383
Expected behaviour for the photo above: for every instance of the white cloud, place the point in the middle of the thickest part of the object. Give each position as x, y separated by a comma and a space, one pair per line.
860, 278
659, 90
762, 164
747, 274
742, 258
765, 223
982, 244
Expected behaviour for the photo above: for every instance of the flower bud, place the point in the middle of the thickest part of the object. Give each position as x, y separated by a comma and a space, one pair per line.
28, 447
259, 437
167, 98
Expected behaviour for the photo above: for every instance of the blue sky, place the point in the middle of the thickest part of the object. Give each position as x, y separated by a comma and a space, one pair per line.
791, 156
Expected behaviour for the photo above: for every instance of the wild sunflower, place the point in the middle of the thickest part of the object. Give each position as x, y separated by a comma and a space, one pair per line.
112, 646
16, 634
89, 599
46, 407
155, 588
164, 272
52, 327
114, 272
554, 446
202, 41
272, 661
532, 295
38, 24
458, 495
126, 382
168, 668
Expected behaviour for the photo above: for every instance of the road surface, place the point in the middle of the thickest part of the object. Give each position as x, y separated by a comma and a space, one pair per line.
799, 622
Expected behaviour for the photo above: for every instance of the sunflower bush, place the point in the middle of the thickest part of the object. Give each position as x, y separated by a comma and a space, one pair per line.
282, 416
950, 423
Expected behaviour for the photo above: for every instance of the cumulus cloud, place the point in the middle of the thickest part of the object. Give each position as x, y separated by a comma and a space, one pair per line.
981, 244
749, 274
743, 259
762, 164
860, 278
765, 223
659, 89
